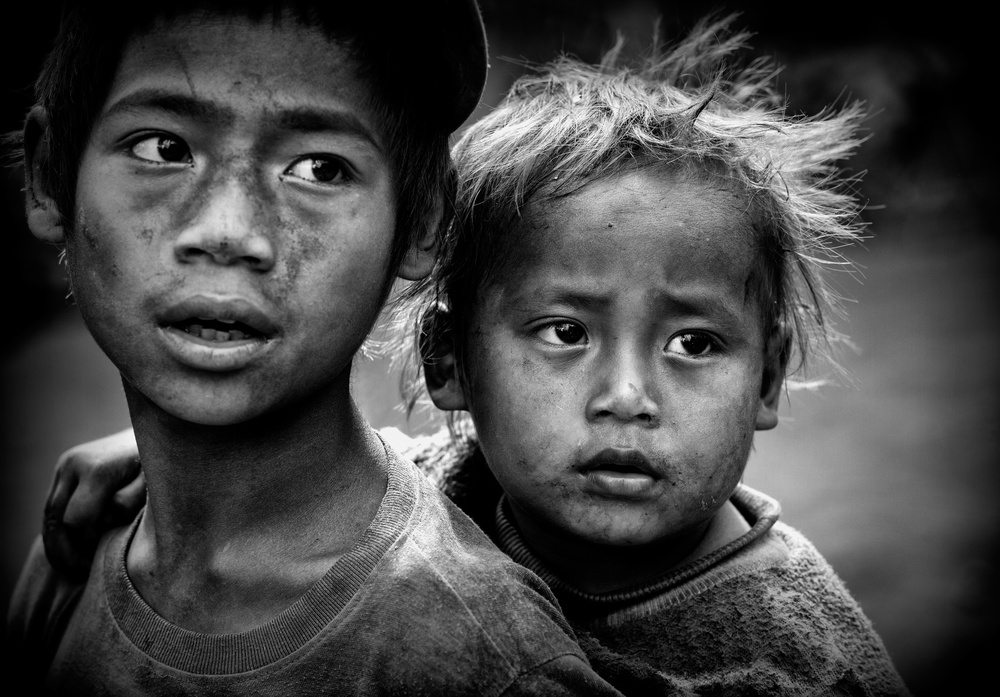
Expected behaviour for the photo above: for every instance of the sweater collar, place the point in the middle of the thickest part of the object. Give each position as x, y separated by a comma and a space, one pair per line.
760, 511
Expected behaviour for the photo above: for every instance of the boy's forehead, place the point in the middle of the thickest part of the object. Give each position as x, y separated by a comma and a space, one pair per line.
217, 43
215, 66
401, 44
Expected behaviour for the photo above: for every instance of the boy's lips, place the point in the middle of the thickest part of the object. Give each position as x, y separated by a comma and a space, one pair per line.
620, 472
216, 334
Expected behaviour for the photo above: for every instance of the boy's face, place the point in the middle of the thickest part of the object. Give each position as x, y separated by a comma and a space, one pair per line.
234, 217
614, 373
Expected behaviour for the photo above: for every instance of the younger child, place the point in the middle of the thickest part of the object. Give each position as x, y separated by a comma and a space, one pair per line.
236, 186
637, 259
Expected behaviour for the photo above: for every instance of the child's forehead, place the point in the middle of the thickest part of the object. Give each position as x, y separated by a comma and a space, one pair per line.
697, 208
647, 232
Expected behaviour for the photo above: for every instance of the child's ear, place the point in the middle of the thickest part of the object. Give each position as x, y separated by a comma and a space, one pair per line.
775, 362
44, 217
437, 352
422, 254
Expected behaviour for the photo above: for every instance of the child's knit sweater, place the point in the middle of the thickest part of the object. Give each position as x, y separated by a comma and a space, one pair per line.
764, 615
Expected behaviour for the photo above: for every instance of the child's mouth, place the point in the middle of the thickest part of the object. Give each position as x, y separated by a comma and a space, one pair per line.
621, 473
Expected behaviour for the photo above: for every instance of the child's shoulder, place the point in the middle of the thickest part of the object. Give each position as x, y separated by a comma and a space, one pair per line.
779, 616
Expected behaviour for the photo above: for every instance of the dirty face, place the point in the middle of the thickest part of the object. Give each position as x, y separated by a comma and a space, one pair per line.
614, 374
234, 217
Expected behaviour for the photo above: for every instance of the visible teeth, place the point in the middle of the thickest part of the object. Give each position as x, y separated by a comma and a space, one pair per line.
212, 334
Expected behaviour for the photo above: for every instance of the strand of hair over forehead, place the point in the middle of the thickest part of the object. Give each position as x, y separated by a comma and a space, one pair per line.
571, 123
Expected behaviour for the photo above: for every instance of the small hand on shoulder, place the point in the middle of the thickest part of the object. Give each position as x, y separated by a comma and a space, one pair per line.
96, 486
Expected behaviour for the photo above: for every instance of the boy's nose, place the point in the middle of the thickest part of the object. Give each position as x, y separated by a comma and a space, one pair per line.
227, 230
626, 393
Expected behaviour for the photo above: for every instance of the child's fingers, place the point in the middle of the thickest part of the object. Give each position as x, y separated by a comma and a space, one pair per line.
130, 498
63, 484
80, 505
92, 499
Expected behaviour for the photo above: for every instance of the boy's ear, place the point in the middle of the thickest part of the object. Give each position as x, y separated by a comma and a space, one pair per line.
776, 354
437, 352
422, 254
44, 217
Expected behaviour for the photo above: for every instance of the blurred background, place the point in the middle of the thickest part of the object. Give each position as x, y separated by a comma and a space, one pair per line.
892, 473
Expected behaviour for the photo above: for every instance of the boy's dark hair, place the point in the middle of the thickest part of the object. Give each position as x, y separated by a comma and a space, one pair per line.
77, 75
682, 108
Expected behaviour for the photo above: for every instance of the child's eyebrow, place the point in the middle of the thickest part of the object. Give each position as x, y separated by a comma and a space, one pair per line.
564, 296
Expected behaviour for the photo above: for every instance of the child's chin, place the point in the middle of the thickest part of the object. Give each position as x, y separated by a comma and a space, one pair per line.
616, 530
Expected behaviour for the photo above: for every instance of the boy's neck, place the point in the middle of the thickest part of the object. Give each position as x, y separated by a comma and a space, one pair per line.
594, 568
241, 520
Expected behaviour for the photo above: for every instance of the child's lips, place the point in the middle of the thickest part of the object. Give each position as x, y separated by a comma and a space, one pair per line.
621, 472
216, 334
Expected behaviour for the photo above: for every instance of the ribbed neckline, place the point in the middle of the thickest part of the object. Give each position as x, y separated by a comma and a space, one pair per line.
222, 654
760, 510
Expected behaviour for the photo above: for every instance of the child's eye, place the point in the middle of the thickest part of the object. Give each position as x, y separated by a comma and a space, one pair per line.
564, 334
162, 149
319, 169
692, 344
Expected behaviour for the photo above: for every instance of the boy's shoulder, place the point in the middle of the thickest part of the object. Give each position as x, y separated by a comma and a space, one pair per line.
40, 607
423, 601
446, 556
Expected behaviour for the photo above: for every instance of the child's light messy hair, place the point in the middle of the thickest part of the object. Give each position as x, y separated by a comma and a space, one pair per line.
685, 108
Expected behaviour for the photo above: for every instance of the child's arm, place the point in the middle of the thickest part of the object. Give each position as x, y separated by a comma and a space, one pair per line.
97, 485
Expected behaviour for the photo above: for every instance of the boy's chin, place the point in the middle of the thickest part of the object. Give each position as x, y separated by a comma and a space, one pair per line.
198, 408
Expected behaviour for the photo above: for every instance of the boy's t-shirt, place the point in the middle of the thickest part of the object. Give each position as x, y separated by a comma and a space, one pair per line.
763, 615
423, 605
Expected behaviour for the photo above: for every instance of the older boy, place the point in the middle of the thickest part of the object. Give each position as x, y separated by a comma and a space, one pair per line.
236, 188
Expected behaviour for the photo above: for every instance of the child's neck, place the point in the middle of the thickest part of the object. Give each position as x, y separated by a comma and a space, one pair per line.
241, 520
594, 568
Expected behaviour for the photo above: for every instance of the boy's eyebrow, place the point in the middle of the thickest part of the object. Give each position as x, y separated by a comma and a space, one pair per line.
172, 102
310, 120
300, 119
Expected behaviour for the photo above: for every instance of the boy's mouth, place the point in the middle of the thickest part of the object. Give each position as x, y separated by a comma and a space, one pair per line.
219, 320
217, 334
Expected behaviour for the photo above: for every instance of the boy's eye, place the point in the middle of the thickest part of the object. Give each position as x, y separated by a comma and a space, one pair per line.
318, 169
563, 333
162, 149
691, 344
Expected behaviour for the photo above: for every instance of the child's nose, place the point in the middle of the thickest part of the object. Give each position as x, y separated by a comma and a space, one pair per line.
228, 229
626, 393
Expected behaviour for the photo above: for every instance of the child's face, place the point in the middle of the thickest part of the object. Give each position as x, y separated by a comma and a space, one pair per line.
234, 217
614, 373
